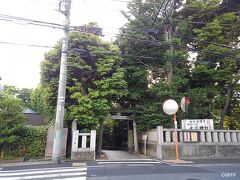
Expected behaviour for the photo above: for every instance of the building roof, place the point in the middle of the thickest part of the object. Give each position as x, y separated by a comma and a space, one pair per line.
33, 118
29, 111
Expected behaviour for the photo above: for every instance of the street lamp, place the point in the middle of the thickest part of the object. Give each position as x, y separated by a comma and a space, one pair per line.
170, 107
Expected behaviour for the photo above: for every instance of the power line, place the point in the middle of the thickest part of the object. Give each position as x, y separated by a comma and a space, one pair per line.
208, 42
200, 22
160, 43
5, 17
30, 45
154, 43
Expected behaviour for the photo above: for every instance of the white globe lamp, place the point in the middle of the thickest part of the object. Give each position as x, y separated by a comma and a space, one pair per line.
170, 107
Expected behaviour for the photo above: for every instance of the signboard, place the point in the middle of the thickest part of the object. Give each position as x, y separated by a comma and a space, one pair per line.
190, 136
194, 136
144, 137
185, 101
197, 124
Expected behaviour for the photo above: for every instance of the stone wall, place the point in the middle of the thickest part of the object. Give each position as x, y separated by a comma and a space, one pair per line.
200, 144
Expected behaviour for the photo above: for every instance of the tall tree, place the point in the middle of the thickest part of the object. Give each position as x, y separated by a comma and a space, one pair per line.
150, 58
214, 35
95, 80
24, 94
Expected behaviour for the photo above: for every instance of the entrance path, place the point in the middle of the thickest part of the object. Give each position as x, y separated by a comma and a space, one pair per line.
122, 155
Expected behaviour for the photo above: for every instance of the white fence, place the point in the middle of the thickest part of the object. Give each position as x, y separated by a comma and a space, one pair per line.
83, 142
161, 135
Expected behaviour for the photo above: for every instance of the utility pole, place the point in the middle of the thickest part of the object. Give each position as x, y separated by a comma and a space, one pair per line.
57, 144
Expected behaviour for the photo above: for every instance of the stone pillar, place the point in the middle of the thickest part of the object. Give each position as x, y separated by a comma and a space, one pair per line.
238, 136
215, 136
234, 137
160, 141
209, 136
135, 139
74, 125
160, 134
93, 142
75, 141
168, 136
228, 137
202, 136
180, 136
130, 140
84, 141
221, 137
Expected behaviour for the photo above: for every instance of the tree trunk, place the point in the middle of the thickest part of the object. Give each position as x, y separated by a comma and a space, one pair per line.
2, 153
100, 138
226, 105
170, 73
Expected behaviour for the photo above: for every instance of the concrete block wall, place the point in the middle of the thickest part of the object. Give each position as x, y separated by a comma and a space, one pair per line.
209, 144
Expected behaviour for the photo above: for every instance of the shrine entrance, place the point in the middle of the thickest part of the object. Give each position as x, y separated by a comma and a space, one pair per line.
120, 133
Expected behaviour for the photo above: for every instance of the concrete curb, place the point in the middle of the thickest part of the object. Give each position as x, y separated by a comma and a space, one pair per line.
177, 161
79, 164
24, 163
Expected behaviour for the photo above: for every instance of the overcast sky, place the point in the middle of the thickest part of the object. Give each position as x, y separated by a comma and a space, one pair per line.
20, 65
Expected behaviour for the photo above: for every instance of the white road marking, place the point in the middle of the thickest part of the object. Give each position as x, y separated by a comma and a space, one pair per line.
40, 172
130, 160
74, 178
139, 165
46, 176
70, 173
204, 165
121, 162
41, 169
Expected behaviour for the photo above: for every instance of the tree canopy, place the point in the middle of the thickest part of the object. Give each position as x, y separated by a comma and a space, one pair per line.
95, 79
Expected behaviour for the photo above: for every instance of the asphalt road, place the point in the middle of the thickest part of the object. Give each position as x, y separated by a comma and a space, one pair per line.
127, 170
199, 170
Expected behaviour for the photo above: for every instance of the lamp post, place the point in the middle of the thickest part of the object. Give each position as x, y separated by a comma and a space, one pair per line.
170, 107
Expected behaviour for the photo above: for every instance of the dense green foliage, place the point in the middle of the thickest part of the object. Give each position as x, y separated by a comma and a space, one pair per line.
95, 79
39, 103
11, 120
24, 94
216, 40
16, 139
150, 59
33, 142
155, 44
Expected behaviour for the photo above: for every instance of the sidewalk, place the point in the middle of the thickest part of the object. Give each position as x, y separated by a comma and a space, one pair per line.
33, 162
122, 155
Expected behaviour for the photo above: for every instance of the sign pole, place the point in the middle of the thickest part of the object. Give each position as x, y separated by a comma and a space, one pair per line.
170, 107
176, 135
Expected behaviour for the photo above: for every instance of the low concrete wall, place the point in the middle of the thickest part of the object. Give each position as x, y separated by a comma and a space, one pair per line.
188, 151
192, 151
83, 156
151, 148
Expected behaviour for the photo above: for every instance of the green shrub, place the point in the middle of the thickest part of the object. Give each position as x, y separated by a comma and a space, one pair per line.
34, 142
